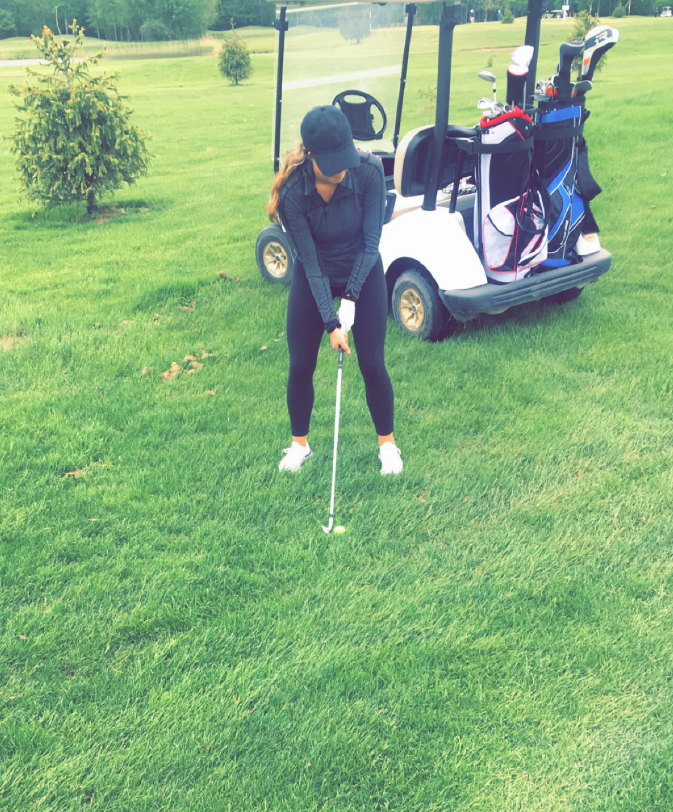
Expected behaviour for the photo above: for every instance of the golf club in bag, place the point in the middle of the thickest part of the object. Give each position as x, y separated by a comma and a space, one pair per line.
330, 524
510, 213
597, 41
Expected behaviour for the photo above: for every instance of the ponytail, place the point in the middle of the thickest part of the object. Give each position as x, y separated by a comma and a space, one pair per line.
294, 158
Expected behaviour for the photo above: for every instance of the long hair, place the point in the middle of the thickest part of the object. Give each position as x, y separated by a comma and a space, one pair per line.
294, 158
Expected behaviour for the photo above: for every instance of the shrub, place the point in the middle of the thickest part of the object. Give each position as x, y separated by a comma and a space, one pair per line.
619, 11
75, 142
234, 59
507, 16
154, 31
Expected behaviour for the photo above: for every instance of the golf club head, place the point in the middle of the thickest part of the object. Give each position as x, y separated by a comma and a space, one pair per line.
582, 87
523, 55
487, 76
595, 48
568, 52
328, 529
485, 104
598, 35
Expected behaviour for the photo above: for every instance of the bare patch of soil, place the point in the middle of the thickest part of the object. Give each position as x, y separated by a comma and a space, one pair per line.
107, 213
7, 342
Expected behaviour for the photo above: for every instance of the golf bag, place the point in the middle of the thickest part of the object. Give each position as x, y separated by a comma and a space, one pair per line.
562, 162
511, 208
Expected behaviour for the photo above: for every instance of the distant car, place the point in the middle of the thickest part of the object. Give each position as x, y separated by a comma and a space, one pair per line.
666, 12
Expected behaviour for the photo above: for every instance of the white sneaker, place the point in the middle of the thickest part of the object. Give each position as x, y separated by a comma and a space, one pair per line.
391, 459
295, 457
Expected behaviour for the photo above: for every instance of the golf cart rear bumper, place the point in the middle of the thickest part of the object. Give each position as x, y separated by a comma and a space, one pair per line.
492, 298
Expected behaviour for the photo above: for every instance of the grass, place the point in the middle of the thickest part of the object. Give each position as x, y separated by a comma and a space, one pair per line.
491, 633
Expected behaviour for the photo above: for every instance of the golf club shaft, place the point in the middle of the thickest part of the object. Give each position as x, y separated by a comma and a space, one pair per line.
336, 437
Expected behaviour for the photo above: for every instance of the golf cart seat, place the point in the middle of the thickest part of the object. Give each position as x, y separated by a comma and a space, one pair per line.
359, 114
413, 155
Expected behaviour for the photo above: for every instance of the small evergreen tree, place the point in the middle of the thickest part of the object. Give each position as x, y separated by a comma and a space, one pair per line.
75, 142
355, 24
507, 16
619, 11
234, 59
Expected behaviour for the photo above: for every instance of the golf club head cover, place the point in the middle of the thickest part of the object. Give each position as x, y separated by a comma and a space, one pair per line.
346, 314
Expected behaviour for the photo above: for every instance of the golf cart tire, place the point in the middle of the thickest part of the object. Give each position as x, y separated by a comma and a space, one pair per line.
275, 259
417, 308
565, 296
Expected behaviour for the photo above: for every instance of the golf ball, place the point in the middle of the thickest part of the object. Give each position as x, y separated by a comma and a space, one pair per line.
340, 529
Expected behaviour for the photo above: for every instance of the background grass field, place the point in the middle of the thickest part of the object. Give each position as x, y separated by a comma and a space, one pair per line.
491, 633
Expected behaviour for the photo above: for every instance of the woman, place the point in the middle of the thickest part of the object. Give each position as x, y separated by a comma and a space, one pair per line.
331, 201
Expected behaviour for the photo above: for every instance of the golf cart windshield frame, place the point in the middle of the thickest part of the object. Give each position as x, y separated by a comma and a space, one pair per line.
281, 25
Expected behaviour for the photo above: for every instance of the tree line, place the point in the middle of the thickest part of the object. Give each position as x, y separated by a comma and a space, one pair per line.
132, 20
185, 19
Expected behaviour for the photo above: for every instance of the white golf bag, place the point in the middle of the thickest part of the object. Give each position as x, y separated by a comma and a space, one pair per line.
511, 213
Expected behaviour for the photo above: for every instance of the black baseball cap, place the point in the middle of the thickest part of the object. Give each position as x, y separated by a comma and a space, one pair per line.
327, 135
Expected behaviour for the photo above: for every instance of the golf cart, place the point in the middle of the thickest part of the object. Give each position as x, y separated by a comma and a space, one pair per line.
437, 270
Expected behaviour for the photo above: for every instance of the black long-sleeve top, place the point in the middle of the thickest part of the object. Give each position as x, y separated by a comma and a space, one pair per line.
338, 241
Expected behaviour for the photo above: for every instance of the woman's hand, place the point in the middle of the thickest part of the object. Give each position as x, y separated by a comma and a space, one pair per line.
346, 314
339, 339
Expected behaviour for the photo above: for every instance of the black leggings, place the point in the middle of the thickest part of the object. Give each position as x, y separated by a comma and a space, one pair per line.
304, 333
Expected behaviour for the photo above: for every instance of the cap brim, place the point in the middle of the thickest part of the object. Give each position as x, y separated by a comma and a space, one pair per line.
331, 163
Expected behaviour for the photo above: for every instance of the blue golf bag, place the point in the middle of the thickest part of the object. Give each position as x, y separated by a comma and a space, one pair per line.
561, 158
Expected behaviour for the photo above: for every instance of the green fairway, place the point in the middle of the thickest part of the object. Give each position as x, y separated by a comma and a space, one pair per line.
492, 633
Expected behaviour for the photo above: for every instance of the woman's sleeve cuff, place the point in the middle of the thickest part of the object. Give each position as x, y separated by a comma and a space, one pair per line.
332, 325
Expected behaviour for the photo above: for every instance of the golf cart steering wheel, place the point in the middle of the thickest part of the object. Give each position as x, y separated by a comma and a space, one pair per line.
359, 114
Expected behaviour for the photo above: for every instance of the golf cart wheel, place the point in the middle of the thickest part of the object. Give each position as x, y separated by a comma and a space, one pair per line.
565, 296
418, 310
274, 255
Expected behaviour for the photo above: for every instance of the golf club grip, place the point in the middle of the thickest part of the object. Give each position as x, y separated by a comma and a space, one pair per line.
341, 358
565, 66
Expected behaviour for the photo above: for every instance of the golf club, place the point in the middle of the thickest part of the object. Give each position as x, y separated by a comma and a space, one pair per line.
594, 37
523, 55
516, 84
330, 524
568, 52
487, 76
485, 103
582, 87
596, 44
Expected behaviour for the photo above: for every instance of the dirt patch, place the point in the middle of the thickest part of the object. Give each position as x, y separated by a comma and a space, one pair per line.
7, 342
107, 213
